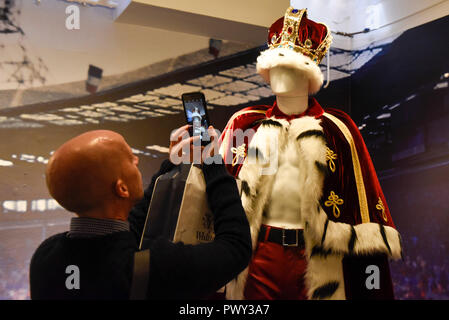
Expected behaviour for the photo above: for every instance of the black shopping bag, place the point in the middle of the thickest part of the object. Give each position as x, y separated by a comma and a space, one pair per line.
178, 208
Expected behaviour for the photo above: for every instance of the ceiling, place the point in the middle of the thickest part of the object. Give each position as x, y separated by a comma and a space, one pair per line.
235, 20
247, 21
355, 15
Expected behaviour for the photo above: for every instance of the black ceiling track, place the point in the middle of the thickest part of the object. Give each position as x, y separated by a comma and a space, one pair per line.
142, 86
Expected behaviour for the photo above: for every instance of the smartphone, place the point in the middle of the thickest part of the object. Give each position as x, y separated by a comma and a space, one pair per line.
195, 110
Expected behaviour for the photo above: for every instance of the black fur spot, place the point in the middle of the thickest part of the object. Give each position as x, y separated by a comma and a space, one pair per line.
311, 133
322, 168
281, 54
264, 213
324, 232
255, 123
245, 188
270, 122
352, 240
384, 237
306, 63
255, 153
326, 290
319, 251
402, 248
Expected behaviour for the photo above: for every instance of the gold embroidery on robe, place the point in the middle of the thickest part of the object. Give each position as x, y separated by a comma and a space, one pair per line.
363, 201
331, 156
380, 206
334, 201
227, 140
239, 152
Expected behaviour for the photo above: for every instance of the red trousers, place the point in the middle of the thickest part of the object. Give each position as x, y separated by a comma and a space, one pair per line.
276, 272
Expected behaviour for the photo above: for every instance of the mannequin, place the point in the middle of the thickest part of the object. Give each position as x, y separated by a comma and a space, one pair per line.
291, 88
320, 218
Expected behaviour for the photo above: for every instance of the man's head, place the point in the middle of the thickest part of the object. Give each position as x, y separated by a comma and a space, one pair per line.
95, 174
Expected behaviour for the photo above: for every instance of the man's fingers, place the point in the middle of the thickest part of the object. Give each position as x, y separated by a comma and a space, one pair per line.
186, 146
178, 133
212, 148
187, 149
207, 151
212, 133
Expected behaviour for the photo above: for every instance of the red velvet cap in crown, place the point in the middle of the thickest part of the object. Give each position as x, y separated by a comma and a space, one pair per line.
294, 31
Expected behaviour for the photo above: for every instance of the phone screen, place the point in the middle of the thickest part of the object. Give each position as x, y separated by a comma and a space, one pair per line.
195, 109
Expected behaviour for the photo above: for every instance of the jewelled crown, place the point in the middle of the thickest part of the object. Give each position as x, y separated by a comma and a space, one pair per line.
294, 31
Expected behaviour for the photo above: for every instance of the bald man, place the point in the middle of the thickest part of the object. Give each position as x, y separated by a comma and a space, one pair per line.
95, 175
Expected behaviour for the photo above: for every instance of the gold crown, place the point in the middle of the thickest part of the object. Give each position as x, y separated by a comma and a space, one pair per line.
296, 27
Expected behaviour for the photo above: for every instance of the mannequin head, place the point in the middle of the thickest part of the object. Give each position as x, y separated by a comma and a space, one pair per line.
305, 70
288, 82
95, 175
292, 77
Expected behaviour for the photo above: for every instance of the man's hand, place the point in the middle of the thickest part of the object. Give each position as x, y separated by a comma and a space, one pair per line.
186, 149
212, 149
183, 148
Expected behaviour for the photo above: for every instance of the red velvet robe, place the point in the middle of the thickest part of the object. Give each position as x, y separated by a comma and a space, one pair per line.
351, 193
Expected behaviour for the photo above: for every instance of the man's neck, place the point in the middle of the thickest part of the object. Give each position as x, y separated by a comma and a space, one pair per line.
293, 105
82, 227
108, 213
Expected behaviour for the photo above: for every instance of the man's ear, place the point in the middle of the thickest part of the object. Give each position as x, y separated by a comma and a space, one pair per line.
121, 189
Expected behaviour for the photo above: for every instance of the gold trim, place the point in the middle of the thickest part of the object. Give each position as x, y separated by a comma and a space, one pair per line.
308, 43
363, 202
288, 40
334, 201
291, 21
235, 115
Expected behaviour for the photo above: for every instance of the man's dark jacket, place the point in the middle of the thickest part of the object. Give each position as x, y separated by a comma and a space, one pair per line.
176, 271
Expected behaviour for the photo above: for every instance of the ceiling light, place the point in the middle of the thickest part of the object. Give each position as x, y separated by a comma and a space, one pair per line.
394, 106
413, 96
441, 85
383, 116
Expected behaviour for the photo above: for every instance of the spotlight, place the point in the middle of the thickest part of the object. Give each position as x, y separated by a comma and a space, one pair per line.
214, 47
93, 78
